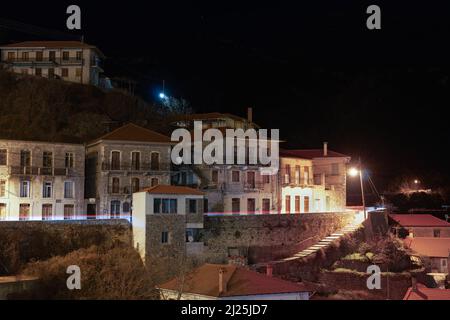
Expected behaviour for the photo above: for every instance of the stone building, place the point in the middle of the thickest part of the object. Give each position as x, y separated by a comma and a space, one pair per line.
120, 163
230, 188
312, 181
71, 61
41, 180
167, 224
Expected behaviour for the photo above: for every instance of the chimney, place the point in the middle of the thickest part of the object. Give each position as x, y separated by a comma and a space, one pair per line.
269, 270
222, 284
325, 149
250, 115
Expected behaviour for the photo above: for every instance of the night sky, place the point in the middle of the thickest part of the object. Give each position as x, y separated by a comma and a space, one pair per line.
310, 68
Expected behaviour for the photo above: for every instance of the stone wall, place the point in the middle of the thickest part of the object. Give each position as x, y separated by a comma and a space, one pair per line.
267, 237
23, 241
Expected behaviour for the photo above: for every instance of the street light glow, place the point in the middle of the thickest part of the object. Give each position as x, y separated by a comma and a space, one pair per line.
162, 95
353, 172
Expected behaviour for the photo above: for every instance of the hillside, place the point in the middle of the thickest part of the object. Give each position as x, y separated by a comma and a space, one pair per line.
34, 108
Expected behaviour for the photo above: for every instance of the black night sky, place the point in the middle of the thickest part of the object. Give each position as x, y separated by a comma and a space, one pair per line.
310, 68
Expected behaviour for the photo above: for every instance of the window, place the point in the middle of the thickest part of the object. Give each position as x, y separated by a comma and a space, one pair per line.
25, 158
24, 211
47, 189
69, 160
192, 235
24, 189
39, 56
46, 212
115, 185
135, 160
38, 72
154, 161
135, 185
288, 204
115, 160
266, 179
69, 212
335, 169
78, 72
11, 56
52, 55
154, 182
2, 188
47, 162
3, 157
437, 233
297, 204
79, 55
297, 175
444, 263
115, 209
235, 205
306, 204
251, 179
266, 206
235, 175
251, 205
2, 211
68, 189
24, 71
192, 206
65, 55
51, 73
164, 237
306, 175
287, 174
25, 56
164, 205
64, 72
126, 207
215, 176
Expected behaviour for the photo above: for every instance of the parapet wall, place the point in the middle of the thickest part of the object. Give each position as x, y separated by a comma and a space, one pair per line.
264, 238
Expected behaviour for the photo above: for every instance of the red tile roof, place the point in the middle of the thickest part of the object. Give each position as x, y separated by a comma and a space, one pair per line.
424, 293
311, 154
429, 247
239, 282
167, 189
419, 220
132, 132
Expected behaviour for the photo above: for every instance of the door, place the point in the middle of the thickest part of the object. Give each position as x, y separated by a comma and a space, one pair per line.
251, 206
91, 211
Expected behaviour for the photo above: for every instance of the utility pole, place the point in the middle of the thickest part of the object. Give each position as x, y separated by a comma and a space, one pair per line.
362, 189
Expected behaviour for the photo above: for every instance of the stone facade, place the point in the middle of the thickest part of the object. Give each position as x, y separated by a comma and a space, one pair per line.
41, 180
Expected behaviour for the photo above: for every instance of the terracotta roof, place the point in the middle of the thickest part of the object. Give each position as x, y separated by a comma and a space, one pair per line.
310, 154
167, 189
424, 293
51, 45
419, 220
429, 247
239, 282
132, 132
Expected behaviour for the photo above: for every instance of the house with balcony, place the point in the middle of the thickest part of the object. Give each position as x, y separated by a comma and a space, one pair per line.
313, 180
41, 180
72, 61
230, 188
121, 163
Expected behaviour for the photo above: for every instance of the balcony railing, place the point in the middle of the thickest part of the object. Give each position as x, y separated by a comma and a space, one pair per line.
296, 182
121, 190
44, 61
40, 171
159, 167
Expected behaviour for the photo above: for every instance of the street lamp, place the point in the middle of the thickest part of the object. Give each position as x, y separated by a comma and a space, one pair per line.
353, 172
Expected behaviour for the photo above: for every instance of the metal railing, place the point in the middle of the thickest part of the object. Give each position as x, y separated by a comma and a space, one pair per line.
40, 171
45, 61
158, 167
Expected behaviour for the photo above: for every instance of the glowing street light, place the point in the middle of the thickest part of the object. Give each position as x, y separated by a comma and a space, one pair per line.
353, 172
162, 95
416, 181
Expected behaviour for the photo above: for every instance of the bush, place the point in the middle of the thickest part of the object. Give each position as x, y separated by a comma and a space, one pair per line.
117, 273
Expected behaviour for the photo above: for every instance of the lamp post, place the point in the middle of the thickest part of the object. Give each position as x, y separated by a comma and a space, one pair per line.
353, 172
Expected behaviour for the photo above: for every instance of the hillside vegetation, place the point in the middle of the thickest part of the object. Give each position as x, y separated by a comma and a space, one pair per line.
34, 108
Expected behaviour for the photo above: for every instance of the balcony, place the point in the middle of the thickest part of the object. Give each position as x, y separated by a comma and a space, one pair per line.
296, 182
119, 191
44, 62
40, 171
145, 168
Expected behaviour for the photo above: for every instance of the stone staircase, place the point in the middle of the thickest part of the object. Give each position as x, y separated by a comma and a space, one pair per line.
327, 241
